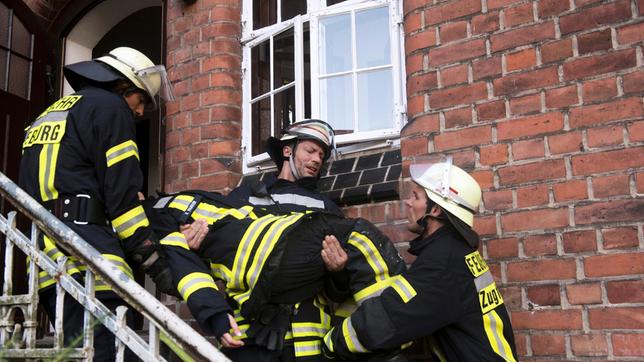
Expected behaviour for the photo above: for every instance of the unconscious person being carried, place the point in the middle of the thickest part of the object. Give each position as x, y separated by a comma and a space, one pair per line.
268, 263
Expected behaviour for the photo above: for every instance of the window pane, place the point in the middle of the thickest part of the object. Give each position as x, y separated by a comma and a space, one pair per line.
19, 78
4, 26
290, 8
307, 70
372, 37
3, 70
375, 100
261, 113
260, 69
264, 13
335, 39
333, 2
21, 38
284, 112
284, 58
336, 102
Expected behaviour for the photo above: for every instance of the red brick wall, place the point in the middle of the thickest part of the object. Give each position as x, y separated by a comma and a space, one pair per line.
543, 100
203, 126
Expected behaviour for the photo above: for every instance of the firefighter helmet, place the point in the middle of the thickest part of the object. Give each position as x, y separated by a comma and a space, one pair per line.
308, 129
454, 190
123, 62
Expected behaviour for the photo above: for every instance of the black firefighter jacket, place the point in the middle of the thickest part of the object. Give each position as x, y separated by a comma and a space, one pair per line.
448, 293
84, 144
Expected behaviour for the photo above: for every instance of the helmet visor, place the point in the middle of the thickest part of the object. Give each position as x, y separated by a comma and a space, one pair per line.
156, 82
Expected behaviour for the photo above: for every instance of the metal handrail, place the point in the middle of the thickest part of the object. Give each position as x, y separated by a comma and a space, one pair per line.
161, 318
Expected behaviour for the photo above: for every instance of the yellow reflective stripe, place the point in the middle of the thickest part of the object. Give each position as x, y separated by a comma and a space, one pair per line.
245, 247
213, 213
127, 224
493, 325
403, 288
373, 290
181, 202
47, 171
351, 338
308, 330
120, 152
175, 239
120, 263
220, 271
194, 282
369, 250
45, 280
346, 308
307, 348
328, 341
476, 264
266, 246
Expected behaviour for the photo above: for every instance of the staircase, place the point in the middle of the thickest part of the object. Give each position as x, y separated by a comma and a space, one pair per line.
18, 340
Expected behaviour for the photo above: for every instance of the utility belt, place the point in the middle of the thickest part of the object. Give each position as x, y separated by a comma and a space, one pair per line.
81, 209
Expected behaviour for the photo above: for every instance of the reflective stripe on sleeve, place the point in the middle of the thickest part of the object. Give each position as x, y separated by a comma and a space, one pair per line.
371, 291
373, 257
307, 348
194, 282
120, 152
493, 325
328, 341
120, 263
221, 271
175, 239
351, 338
127, 224
403, 288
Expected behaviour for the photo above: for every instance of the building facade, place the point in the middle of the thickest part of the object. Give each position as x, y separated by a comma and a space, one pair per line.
541, 100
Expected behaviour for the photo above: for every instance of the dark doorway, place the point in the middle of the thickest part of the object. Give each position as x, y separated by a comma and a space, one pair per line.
143, 31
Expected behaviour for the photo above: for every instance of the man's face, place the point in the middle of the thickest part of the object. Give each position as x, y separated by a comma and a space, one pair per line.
136, 102
416, 207
308, 158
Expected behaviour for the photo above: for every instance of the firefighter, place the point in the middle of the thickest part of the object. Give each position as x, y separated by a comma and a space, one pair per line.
448, 292
269, 263
299, 154
81, 161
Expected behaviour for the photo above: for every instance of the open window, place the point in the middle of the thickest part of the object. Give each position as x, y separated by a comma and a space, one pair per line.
339, 61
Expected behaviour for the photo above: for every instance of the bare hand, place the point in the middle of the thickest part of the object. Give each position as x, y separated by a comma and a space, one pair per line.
229, 341
333, 255
195, 233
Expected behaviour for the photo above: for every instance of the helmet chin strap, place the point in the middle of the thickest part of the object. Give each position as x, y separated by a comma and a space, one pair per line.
291, 164
423, 220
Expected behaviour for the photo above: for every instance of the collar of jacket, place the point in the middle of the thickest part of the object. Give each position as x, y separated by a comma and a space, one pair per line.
309, 183
417, 245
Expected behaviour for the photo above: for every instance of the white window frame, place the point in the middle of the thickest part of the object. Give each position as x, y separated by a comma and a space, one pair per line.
359, 141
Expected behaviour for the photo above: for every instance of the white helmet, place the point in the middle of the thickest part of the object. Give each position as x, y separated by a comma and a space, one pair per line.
453, 189
139, 69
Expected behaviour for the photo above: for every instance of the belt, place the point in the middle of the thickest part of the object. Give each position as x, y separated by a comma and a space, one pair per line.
81, 209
